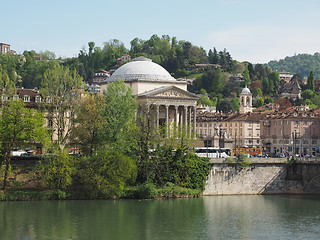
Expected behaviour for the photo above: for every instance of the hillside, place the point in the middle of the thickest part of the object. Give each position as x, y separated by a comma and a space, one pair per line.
299, 64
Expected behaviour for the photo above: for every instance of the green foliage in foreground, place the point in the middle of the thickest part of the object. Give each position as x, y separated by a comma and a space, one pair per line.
243, 161
106, 173
145, 191
58, 170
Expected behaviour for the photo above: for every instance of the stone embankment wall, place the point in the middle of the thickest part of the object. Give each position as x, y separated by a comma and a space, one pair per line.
263, 178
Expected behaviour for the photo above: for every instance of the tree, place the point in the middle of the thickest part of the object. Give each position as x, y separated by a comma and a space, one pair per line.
118, 113
246, 76
265, 85
58, 170
274, 82
257, 92
224, 106
213, 56
63, 88
204, 99
310, 81
19, 126
235, 102
259, 102
87, 126
307, 94
106, 173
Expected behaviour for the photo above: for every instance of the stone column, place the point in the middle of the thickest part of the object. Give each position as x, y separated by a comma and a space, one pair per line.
176, 126
176, 108
167, 120
157, 116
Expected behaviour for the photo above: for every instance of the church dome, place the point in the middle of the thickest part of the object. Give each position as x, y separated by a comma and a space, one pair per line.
141, 68
246, 91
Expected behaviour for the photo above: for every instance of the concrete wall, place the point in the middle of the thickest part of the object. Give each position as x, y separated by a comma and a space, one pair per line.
259, 178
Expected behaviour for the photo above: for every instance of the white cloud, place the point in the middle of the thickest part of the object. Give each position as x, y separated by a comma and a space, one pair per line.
260, 44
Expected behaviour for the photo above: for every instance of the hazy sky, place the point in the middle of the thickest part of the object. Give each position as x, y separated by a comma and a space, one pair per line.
252, 30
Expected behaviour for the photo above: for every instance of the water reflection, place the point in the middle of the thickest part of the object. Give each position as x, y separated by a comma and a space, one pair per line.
216, 217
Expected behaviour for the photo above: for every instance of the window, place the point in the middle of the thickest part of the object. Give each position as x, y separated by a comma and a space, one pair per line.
50, 123
200, 124
49, 99
26, 98
38, 98
4, 98
15, 97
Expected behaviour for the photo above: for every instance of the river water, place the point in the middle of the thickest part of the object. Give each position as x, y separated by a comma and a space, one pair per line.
215, 217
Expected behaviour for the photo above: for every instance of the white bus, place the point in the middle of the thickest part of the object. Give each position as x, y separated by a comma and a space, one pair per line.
211, 152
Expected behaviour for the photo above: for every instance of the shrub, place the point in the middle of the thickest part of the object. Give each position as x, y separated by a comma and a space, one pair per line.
106, 173
147, 191
58, 170
243, 161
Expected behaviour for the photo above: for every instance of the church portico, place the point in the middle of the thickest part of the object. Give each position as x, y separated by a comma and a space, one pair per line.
173, 113
165, 100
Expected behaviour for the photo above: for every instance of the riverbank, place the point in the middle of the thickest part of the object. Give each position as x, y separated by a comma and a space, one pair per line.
130, 193
25, 183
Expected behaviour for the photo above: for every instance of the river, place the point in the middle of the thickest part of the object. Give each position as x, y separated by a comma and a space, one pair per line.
214, 217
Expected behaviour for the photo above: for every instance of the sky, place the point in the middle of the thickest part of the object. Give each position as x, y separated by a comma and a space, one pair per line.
251, 30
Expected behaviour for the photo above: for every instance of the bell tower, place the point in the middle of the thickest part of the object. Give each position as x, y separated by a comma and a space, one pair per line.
245, 101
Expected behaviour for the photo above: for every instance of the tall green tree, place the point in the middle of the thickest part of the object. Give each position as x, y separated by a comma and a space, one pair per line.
310, 81
63, 88
19, 126
118, 113
274, 81
246, 77
87, 125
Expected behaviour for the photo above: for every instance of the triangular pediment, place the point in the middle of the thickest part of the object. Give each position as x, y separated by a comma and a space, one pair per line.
171, 92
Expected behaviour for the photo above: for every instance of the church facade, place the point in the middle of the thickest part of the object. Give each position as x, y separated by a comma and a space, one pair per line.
155, 88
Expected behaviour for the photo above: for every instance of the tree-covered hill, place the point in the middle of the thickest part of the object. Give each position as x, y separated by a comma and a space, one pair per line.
299, 64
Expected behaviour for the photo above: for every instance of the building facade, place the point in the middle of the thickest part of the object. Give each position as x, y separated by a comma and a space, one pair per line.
293, 130
154, 87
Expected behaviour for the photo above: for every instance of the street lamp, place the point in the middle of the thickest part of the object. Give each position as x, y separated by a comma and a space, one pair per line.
294, 144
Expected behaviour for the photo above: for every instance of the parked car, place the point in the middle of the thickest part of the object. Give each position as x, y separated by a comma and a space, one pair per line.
27, 154
18, 153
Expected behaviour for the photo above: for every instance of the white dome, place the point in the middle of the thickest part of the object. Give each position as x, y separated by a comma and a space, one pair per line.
246, 90
141, 68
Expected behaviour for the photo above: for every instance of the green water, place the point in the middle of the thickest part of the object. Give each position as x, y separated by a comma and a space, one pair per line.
220, 217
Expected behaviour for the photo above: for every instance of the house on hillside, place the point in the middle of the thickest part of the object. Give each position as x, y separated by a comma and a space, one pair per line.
100, 76
5, 48
291, 89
